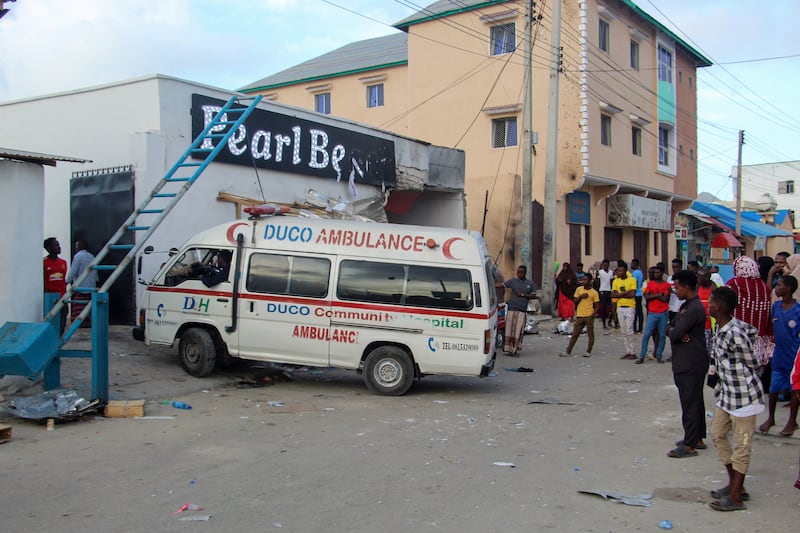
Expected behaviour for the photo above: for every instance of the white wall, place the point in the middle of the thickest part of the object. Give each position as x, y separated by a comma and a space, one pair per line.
765, 178
21, 191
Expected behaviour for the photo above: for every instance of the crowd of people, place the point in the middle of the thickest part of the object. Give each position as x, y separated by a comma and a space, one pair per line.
740, 337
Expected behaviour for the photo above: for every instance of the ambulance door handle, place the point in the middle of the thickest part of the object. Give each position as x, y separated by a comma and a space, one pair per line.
251, 307
223, 300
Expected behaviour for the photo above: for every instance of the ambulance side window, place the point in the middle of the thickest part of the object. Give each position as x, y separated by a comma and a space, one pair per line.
188, 266
289, 275
392, 283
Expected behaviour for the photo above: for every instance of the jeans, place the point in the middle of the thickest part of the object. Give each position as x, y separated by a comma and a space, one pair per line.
639, 318
655, 322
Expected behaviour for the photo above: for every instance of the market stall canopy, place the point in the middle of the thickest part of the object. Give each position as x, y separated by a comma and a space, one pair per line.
727, 217
726, 240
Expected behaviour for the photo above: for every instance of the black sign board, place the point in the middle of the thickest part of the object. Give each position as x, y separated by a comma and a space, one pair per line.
287, 143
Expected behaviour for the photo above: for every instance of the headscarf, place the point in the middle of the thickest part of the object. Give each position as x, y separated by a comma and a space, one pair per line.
567, 281
746, 267
793, 266
765, 263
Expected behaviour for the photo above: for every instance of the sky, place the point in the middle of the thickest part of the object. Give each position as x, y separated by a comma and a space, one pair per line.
49, 46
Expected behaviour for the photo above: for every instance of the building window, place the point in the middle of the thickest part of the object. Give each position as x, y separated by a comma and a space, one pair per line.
605, 130
664, 64
786, 187
587, 240
636, 140
375, 95
504, 132
322, 103
634, 55
663, 145
502, 39
691, 154
603, 38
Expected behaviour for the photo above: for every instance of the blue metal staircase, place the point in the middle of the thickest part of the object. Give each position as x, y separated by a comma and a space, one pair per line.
26, 348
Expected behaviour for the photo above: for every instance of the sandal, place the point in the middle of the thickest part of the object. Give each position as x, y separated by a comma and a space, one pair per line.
682, 451
726, 504
725, 491
699, 446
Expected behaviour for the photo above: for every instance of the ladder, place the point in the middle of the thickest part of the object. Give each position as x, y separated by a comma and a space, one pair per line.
164, 196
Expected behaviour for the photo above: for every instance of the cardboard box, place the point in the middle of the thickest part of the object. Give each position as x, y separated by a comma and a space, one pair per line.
5, 433
124, 408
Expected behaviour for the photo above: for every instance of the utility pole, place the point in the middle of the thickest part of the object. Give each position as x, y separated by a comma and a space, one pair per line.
739, 187
527, 144
551, 165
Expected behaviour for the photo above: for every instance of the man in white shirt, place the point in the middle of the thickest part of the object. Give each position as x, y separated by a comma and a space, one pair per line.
675, 303
606, 277
716, 279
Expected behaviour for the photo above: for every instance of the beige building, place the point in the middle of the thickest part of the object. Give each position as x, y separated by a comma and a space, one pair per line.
454, 75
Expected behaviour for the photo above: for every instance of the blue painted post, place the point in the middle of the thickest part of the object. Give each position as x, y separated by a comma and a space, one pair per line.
52, 373
100, 346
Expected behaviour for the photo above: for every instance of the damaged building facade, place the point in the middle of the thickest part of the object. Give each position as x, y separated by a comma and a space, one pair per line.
134, 131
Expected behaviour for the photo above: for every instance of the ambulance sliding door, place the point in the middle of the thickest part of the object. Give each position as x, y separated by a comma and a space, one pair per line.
283, 308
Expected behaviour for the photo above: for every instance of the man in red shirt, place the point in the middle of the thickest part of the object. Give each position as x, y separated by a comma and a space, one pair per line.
656, 294
55, 273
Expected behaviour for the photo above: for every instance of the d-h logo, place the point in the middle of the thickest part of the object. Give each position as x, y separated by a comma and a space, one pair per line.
199, 305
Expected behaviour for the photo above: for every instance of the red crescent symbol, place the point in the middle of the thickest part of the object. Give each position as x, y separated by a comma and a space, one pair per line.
446, 248
230, 235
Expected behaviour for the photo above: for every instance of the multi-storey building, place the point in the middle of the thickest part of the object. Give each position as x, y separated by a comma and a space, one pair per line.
771, 186
455, 75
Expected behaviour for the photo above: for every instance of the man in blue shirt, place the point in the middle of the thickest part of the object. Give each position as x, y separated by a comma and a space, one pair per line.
636, 272
80, 262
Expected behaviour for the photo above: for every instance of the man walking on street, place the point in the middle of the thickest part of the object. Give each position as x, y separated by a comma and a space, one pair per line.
689, 363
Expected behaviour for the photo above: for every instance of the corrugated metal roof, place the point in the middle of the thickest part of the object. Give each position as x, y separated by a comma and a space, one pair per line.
34, 157
360, 56
728, 217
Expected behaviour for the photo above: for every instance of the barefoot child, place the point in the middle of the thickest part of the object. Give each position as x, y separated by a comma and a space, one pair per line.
739, 394
786, 324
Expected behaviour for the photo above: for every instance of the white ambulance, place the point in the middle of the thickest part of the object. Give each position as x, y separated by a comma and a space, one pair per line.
393, 302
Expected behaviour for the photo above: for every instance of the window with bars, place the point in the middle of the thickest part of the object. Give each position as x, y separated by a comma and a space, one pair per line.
375, 95
502, 39
786, 187
605, 130
322, 103
504, 132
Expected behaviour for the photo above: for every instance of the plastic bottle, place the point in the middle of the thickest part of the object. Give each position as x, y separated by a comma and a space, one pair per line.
181, 405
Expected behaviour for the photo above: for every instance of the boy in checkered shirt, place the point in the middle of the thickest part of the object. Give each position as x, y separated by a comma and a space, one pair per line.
740, 397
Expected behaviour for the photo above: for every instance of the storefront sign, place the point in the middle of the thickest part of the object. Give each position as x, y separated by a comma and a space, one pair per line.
628, 210
290, 144
578, 208
681, 232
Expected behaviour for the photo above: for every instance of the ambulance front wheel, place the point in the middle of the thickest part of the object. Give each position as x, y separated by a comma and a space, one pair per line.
197, 352
388, 370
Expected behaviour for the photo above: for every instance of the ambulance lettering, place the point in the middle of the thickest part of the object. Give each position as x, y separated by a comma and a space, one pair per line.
368, 239
285, 309
325, 334
287, 233
200, 305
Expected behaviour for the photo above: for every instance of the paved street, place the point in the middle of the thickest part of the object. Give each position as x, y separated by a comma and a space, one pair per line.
320, 453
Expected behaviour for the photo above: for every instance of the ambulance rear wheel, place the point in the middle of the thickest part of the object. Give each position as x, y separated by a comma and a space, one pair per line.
197, 352
388, 370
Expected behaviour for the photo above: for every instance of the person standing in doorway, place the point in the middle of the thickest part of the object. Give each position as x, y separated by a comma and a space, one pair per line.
55, 274
586, 302
522, 291
623, 289
689, 363
606, 278
637, 274
80, 262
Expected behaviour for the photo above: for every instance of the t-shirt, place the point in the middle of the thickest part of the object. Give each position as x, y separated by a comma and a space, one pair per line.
656, 287
605, 280
637, 275
704, 295
55, 275
675, 303
786, 327
519, 303
624, 285
585, 306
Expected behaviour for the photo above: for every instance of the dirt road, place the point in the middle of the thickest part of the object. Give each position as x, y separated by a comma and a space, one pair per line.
320, 453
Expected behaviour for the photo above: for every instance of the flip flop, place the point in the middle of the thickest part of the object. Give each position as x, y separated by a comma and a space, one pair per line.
787, 433
699, 446
681, 451
726, 504
725, 491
